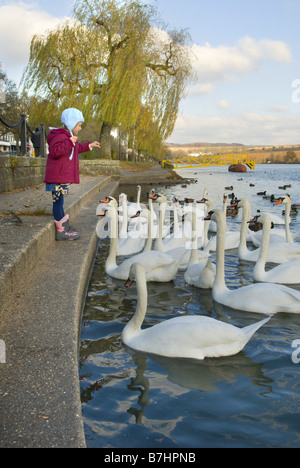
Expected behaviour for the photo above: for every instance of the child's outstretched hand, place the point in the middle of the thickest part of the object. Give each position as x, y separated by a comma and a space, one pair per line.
73, 139
95, 144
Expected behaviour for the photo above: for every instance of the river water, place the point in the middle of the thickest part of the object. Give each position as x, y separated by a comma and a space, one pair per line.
132, 400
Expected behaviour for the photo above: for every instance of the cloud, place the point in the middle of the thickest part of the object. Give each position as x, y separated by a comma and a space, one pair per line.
246, 128
223, 63
203, 88
223, 104
19, 22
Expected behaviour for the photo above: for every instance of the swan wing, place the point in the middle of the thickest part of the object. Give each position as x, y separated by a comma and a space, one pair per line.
266, 298
157, 266
193, 337
201, 275
285, 273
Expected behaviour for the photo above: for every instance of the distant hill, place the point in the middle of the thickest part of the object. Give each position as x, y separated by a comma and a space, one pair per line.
201, 145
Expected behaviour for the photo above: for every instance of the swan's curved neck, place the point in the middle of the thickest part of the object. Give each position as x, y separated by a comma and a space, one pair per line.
243, 233
219, 283
148, 244
134, 325
265, 240
159, 243
124, 225
113, 232
288, 235
194, 239
175, 216
138, 197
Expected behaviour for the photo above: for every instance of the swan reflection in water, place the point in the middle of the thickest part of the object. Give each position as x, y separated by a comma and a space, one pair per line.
176, 377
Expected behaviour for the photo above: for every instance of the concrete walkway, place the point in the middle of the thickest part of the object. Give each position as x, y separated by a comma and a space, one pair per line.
42, 290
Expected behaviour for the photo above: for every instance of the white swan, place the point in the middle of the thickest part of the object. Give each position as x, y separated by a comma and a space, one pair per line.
194, 337
146, 215
232, 238
286, 273
208, 225
278, 252
177, 240
159, 266
133, 207
286, 200
128, 242
275, 219
199, 274
264, 298
180, 237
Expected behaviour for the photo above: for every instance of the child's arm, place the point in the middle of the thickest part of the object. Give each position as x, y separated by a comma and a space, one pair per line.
83, 147
61, 148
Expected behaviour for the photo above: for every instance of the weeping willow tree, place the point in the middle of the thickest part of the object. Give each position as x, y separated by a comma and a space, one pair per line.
64, 70
109, 63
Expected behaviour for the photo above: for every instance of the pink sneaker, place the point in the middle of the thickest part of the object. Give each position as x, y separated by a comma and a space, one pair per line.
63, 231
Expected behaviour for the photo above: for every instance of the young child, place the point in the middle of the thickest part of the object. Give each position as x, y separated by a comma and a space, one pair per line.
62, 168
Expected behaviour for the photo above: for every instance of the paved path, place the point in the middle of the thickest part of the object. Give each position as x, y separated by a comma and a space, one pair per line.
43, 285
42, 291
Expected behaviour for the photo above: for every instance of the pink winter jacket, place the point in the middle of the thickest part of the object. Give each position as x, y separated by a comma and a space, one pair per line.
59, 168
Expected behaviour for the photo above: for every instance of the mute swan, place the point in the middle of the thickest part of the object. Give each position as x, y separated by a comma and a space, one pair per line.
278, 252
286, 273
128, 242
200, 274
276, 219
212, 227
280, 235
178, 238
264, 298
133, 207
194, 337
232, 238
286, 200
159, 266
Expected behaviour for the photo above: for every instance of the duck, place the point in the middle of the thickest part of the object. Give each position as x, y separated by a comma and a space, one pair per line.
278, 252
269, 197
263, 298
293, 211
159, 266
190, 336
232, 209
261, 193
285, 273
200, 274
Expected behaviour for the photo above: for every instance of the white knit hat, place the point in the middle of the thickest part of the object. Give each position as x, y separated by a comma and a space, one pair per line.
70, 117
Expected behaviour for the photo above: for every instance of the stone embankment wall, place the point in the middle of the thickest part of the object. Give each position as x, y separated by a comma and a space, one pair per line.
21, 172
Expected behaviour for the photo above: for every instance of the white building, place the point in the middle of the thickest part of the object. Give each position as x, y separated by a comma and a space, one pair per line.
8, 143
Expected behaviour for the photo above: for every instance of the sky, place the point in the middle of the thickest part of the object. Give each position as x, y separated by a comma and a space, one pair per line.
245, 55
